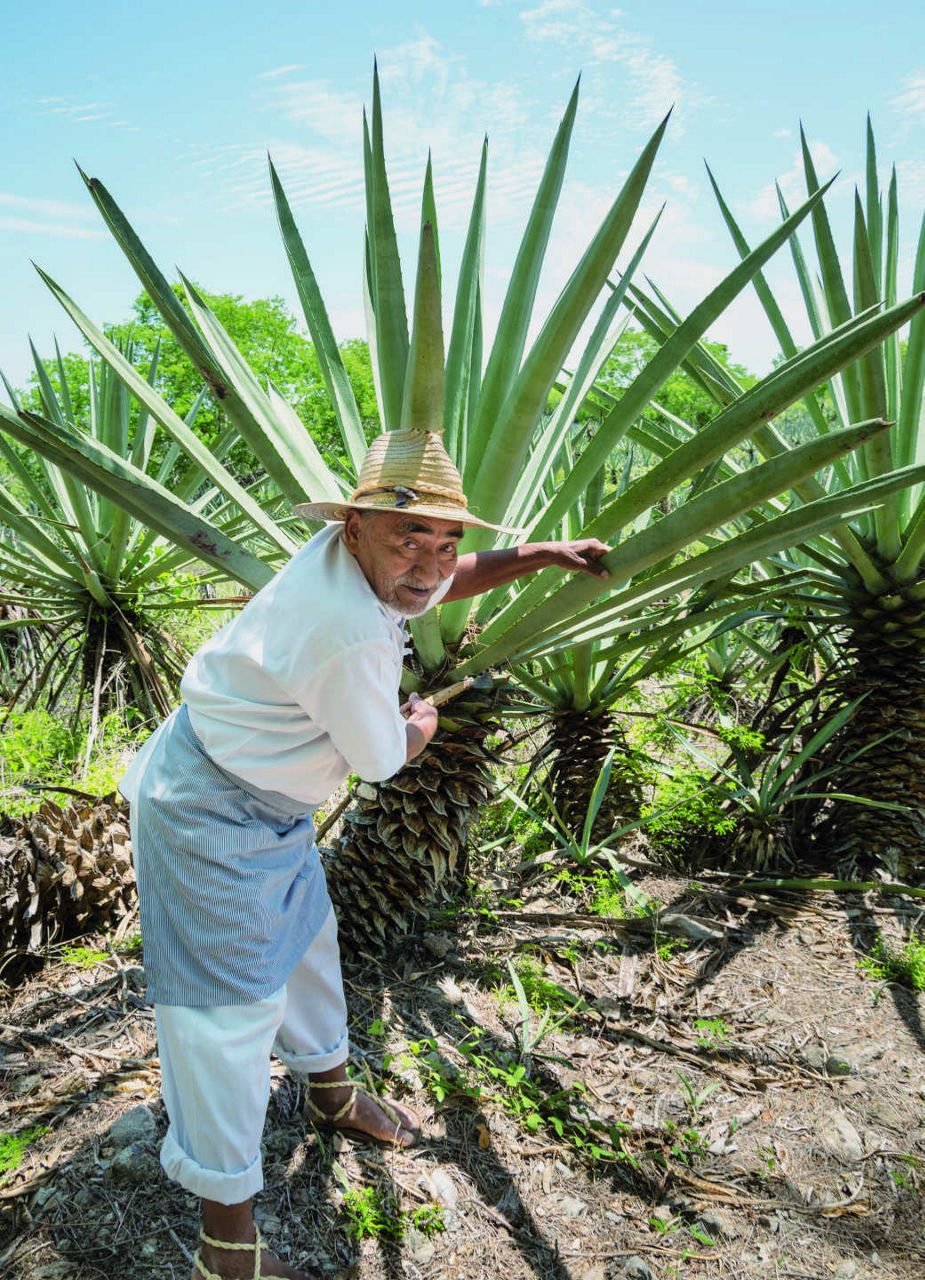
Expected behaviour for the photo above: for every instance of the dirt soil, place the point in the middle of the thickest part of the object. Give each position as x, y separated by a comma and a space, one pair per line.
747, 1105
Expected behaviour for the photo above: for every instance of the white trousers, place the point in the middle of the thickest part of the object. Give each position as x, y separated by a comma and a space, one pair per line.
215, 1070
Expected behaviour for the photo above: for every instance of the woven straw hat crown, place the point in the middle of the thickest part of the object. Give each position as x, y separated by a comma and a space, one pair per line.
408, 471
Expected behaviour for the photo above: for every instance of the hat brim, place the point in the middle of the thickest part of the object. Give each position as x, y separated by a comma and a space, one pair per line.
338, 511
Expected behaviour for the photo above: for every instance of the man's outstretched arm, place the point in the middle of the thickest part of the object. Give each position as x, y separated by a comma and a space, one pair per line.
478, 571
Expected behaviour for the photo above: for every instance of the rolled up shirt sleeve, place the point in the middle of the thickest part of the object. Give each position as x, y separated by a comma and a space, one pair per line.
353, 697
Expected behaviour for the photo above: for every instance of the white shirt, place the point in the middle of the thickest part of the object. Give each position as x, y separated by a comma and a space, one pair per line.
301, 688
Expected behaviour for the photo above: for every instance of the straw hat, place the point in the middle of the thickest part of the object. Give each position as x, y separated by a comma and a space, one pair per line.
405, 471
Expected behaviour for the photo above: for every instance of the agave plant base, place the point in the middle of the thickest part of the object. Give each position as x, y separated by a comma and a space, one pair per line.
579, 743
402, 849
893, 771
764, 848
63, 872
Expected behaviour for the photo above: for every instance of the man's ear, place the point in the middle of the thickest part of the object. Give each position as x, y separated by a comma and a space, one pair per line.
352, 523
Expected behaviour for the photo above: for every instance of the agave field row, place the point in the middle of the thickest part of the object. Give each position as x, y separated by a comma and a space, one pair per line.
723, 532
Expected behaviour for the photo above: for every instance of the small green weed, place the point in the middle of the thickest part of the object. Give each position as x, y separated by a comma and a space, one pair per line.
428, 1219
686, 1144
904, 966
375, 1213
491, 1075
666, 948
540, 991
699, 1234
370, 1212
693, 1098
87, 957
505, 824
605, 894
13, 1147
441, 1078
713, 1032
686, 807
84, 957
130, 946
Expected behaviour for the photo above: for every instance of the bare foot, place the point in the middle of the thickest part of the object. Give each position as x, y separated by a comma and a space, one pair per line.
238, 1264
367, 1118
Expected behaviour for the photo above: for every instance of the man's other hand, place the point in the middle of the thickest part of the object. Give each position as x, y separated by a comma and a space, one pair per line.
421, 725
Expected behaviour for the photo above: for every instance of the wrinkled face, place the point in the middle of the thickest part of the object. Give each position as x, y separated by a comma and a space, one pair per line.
404, 557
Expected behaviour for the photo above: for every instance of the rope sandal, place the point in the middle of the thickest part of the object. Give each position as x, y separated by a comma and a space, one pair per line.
259, 1243
330, 1123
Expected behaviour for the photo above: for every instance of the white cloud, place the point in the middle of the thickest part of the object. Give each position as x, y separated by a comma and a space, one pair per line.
335, 115
281, 71
84, 112
783, 133
63, 230
765, 208
47, 208
911, 102
38, 216
655, 81
431, 103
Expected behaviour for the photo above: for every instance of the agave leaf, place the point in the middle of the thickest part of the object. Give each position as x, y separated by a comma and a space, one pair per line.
295, 464
728, 557
171, 423
662, 365
507, 447
517, 309
93, 464
422, 407
766, 398
598, 349
174, 314
319, 326
459, 357
386, 289
910, 444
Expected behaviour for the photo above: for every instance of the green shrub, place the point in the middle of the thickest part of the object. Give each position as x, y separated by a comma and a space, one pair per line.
13, 1146
904, 965
34, 747
686, 809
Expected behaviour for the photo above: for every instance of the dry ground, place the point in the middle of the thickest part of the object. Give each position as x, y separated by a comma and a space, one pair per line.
782, 1137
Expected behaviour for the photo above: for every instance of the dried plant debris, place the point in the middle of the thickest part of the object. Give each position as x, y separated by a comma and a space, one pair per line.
598, 1105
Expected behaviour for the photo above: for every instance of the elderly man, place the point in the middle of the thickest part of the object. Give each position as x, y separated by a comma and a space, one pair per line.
240, 940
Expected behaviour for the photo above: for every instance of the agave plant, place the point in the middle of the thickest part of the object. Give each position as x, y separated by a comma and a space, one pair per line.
869, 575
766, 799
85, 579
402, 841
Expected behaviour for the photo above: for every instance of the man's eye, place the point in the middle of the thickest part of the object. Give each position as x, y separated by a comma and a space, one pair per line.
449, 549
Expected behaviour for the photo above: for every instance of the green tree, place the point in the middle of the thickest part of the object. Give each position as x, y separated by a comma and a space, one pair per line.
680, 395
268, 337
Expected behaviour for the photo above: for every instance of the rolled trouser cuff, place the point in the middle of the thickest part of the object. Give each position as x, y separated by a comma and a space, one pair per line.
210, 1184
303, 1064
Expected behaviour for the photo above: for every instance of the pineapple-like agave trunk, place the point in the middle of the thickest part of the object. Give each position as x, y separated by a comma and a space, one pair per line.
402, 849
889, 668
63, 872
579, 743
760, 847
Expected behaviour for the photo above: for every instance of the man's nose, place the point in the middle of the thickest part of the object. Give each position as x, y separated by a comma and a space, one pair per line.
426, 566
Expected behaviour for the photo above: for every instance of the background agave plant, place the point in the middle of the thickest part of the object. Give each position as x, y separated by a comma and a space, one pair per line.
79, 573
403, 841
867, 577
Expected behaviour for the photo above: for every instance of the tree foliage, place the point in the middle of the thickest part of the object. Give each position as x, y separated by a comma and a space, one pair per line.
268, 336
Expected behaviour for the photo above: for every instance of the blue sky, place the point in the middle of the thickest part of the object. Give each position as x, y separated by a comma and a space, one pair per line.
175, 107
